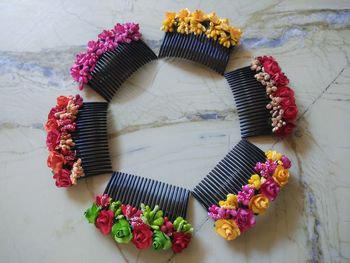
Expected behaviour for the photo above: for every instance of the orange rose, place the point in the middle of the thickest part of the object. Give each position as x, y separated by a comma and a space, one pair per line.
281, 175
258, 204
55, 161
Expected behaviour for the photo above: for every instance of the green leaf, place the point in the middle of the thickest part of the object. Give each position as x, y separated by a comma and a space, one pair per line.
92, 213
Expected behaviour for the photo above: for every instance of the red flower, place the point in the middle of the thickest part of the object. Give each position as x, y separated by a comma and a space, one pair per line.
52, 112
55, 161
180, 241
104, 221
62, 178
284, 92
280, 79
53, 139
287, 102
271, 67
142, 236
167, 227
285, 130
102, 200
290, 113
51, 124
62, 101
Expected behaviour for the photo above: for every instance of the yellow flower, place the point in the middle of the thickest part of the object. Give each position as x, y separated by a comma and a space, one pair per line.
258, 204
230, 202
184, 14
168, 22
198, 16
255, 181
281, 175
213, 18
227, 228
273, 155
235, 34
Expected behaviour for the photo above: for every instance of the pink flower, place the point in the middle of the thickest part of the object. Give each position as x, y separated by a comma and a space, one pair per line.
245, 219
215, 212
286, 162
53, 139
270, 189
167, 227
103, 200
246, 194
130, 212
62, 178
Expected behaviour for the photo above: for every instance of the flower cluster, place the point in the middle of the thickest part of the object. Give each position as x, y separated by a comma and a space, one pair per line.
65, 165
282, 105
144, 227
197, 22
237, 213
108, 40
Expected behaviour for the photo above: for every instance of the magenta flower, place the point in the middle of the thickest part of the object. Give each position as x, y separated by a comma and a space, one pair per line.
246, 194
215, 212
245, 219
286, 162
270, 189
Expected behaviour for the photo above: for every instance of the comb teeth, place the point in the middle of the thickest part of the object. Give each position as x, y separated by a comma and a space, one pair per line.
115, 67
134, 190
251, 100
197, 48
91, 140
230, 174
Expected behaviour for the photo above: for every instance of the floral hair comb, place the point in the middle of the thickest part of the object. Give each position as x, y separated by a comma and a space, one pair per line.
122, 213
77, 140
241, 187
265, 103
200, 37
112, 59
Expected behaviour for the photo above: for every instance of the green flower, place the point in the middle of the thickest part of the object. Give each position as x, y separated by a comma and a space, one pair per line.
181, 225
121, 231
161, 240
116, 208
92, 213
153, 218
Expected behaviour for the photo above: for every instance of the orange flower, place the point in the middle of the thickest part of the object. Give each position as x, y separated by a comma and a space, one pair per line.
258, 204
281, 175
62, 101
55, 161
51, 124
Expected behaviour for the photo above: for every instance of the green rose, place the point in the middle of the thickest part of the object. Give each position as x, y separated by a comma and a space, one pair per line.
121, 231
181, 225
92, 213
161, 240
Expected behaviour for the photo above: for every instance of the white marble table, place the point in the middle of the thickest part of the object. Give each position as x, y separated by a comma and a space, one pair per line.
173, 121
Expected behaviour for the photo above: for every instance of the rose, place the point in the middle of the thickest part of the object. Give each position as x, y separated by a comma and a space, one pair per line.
102, 200
280, 79
285, 130
52, 112
161, 240
51, 124
227, 228
271, 67
121, 231
53, 139
62, 101
258, 204
62, 178
255, 181
290, 113
284, 92
55, 161
180, 241
286, 162
281, 175
273, 155
287, 102
245, 219
142, 238
270, 189
104, 221
230, 202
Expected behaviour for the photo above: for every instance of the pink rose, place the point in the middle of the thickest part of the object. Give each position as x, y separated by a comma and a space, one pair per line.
62, 178
102, 200
270, 189
180, 241
142, 236
245, 219
53, 139
104, 221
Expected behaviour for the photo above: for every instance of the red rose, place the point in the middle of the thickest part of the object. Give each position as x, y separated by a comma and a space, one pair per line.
290, 113
62, 101
51, 124
285, 130
142, 236
284, 92
271, 67
280, 79
53, 139
62, 178
52, 112
287, 102
102, 200
104, 221
180, 241
55, 161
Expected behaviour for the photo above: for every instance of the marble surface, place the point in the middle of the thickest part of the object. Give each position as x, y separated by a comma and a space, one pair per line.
173, 121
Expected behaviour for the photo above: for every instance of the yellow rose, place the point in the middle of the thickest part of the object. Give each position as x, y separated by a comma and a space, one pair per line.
227, 228
258, 204
273, 155
281, 175
230, 203
255, 181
